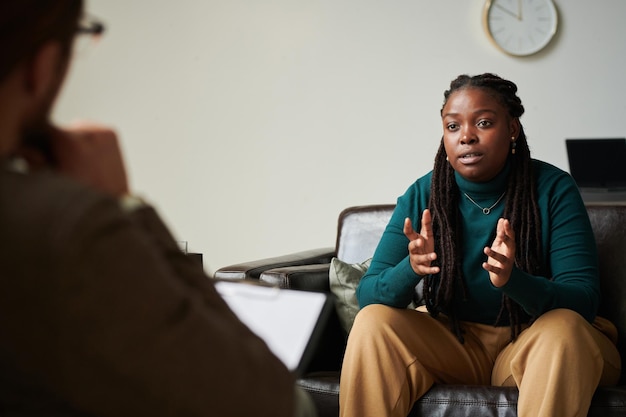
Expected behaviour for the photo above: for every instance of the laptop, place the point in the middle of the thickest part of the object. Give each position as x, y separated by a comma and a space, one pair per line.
599, 167
289, 321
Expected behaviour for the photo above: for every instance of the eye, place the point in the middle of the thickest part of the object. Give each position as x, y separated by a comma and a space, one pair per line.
452, 126
484, 123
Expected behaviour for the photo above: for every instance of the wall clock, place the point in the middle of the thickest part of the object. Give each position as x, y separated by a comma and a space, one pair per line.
520, 27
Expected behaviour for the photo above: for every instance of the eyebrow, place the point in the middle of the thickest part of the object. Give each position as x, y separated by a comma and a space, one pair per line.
476, 112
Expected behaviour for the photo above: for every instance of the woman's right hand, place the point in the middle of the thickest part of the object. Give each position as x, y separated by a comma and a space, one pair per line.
421, 245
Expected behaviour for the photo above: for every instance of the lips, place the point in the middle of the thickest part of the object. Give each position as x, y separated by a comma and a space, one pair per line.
470, 158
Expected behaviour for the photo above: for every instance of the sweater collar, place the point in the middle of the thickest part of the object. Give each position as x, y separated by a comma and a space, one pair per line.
477, 189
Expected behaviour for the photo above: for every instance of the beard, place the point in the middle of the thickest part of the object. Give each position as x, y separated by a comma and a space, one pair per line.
36, 144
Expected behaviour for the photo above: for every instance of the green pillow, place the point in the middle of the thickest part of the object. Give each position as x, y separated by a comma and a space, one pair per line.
344, 278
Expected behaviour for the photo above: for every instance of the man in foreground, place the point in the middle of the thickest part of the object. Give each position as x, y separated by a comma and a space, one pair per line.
100, 312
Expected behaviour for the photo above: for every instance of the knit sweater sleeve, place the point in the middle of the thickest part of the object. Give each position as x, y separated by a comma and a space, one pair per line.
390, 280
569, 251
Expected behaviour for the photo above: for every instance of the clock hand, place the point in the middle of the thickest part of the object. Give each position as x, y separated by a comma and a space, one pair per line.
505, 10
519, 9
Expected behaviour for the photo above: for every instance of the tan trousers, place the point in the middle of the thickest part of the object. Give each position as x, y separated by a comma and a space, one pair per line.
394, 356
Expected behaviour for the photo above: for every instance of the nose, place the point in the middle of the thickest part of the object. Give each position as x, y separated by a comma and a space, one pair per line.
468, 139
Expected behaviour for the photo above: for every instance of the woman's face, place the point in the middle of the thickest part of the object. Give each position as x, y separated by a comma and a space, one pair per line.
477, 132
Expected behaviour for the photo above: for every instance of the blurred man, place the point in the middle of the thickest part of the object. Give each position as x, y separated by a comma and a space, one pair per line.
101, 314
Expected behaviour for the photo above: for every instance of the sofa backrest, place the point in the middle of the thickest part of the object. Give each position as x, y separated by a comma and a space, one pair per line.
360, 229
609, 228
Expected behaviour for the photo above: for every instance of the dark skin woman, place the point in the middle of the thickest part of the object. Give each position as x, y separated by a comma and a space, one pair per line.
508, 263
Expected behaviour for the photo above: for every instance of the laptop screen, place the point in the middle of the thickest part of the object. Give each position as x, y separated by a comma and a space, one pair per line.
597, 163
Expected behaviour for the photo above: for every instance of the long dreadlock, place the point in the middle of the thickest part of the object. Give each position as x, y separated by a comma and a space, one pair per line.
521, 209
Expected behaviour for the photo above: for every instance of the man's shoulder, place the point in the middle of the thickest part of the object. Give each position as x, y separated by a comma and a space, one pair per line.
33, 203
44, 191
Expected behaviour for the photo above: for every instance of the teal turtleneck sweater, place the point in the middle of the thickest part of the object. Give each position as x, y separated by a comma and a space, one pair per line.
569, 251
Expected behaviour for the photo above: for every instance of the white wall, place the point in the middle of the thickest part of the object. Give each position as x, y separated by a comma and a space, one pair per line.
252, 123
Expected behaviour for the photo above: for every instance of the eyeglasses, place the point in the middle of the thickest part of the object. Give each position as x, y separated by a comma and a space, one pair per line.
90, 26
93, 29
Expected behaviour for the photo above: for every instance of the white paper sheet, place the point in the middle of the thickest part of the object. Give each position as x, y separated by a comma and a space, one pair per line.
284, 319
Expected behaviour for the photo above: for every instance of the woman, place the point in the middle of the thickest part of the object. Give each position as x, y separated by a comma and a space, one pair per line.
509, 269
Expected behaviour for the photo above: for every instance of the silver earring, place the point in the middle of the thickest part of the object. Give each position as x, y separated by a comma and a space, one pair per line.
513, 147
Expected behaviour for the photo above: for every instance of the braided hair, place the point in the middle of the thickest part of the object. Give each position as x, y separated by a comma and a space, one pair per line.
521, 209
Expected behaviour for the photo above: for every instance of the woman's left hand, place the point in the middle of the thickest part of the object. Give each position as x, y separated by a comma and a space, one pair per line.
501, 254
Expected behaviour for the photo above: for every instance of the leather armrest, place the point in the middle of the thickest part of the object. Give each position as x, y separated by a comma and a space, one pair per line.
304, 277
254, 269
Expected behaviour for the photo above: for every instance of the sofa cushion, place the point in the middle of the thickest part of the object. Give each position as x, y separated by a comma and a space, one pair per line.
344, 278
458, 400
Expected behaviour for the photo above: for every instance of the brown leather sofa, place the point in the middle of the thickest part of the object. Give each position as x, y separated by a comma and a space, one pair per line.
359, 230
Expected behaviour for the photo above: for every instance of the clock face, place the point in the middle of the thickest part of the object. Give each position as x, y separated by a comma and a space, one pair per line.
520, 27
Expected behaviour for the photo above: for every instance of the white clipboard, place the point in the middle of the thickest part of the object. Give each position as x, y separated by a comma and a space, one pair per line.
289, 321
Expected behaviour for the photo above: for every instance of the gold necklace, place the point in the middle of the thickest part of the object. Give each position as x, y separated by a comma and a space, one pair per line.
486, 210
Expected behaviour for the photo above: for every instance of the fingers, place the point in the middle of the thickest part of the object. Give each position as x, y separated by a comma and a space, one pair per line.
423, 270
426, 230
424, 258
421, 245
497, 263
496, 256
501, 254
421, 261
409, 232
427, 224
503, 246
91, 153
504, 231
418, 247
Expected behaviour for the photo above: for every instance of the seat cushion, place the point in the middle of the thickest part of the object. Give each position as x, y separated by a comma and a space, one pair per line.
459, 400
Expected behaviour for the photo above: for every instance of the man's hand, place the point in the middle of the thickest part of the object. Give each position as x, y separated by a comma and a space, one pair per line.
421, 245
90, 154
501, 254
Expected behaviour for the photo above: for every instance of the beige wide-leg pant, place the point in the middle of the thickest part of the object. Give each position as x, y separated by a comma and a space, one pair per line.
394, 356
